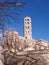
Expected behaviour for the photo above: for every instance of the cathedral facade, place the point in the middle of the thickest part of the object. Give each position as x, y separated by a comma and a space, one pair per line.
15, 42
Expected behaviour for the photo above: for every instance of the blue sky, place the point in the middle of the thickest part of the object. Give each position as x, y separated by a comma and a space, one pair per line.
38, 10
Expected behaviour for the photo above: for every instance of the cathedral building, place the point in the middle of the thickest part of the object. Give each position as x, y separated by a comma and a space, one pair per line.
15, 42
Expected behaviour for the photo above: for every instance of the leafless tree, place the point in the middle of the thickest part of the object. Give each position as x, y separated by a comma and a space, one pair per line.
9, 9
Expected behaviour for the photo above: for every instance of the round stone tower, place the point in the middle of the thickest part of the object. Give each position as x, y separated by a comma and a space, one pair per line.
27, 28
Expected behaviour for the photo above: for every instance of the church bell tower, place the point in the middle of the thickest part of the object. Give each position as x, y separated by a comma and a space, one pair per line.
27, 28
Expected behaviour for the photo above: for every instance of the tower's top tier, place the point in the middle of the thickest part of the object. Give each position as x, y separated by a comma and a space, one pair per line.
27, 18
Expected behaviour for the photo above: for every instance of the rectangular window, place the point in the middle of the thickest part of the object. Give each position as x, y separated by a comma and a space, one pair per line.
27, 19
27, 22
28, 27
28, 31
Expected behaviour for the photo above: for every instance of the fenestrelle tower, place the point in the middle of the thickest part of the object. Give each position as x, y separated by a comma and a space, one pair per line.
27, 28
